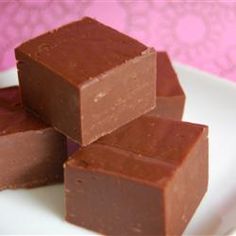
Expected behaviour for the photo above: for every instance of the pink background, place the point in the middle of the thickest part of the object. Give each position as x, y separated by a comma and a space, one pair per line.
199, 33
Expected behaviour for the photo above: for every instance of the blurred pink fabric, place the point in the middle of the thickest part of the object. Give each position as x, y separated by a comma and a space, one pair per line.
198, 33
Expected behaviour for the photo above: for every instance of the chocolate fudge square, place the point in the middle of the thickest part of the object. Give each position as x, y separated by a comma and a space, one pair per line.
170, 97
146, 178
31, 153
86, 79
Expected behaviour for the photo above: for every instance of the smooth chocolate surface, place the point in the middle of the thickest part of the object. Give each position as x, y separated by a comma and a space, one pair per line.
146, 178
86, 79
31, 153
170, 97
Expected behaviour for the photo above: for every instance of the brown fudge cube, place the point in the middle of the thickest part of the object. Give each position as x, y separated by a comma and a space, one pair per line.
170, 97
146, 178
31, 153
86, 79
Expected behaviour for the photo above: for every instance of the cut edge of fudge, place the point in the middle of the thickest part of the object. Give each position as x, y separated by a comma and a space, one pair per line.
134, 103
192, 186
35, 160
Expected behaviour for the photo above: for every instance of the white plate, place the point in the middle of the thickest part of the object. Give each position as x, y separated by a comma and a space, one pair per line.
210, 101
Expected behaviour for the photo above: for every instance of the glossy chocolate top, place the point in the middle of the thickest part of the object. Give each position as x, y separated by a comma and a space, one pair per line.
82, 50
162, 139
167, 80
122, 163
13, 117
148, 149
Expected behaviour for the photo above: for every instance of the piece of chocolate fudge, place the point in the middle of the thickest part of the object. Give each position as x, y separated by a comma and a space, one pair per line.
86, 79
146, 178
170, 97
31, 153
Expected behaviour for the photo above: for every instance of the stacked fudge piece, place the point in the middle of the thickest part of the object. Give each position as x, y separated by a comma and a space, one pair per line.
136, 172
31, 153
146, 178
170, 98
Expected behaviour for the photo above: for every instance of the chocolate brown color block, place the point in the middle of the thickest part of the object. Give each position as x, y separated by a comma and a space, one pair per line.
31, 153
146, 178
86, 79
170, 97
